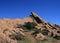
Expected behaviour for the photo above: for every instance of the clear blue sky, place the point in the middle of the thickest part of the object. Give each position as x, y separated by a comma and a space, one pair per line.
49, 10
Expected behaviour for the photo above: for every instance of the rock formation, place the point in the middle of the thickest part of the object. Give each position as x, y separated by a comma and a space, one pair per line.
37, 18
12, 30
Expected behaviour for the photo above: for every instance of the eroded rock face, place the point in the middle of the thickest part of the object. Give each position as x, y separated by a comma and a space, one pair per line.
9, 28
40, 36
37, 18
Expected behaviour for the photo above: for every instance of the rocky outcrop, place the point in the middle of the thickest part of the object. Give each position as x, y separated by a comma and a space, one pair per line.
40, 36
54, 30
37, 18
11, 29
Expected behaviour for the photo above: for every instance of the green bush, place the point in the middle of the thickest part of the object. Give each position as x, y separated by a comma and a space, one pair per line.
30, 25
17, 36
19, 26
45, 32
36, 32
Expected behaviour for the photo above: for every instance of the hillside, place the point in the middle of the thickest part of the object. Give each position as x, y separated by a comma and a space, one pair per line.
32, 29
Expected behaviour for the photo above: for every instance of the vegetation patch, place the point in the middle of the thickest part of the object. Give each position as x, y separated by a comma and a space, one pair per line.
30, 25
47, 40
26, 40
44, 32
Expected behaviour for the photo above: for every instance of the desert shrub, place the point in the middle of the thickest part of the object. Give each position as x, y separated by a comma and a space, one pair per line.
19, 26
36, 32
16, 36
19, 36
30, 25
45, 32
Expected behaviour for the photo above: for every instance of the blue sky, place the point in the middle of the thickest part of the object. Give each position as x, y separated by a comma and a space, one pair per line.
49, 10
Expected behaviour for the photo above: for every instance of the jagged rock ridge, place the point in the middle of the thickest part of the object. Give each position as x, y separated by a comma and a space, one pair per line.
11, 33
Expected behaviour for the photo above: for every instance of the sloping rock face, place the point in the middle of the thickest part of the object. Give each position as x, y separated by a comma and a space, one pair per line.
9, 33
51, 30
37, 18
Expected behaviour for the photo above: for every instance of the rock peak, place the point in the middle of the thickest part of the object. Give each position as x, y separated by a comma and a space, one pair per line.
37, 18
33, 13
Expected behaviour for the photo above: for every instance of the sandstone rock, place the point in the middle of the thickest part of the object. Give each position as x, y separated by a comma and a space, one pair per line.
40, 36
9, 27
